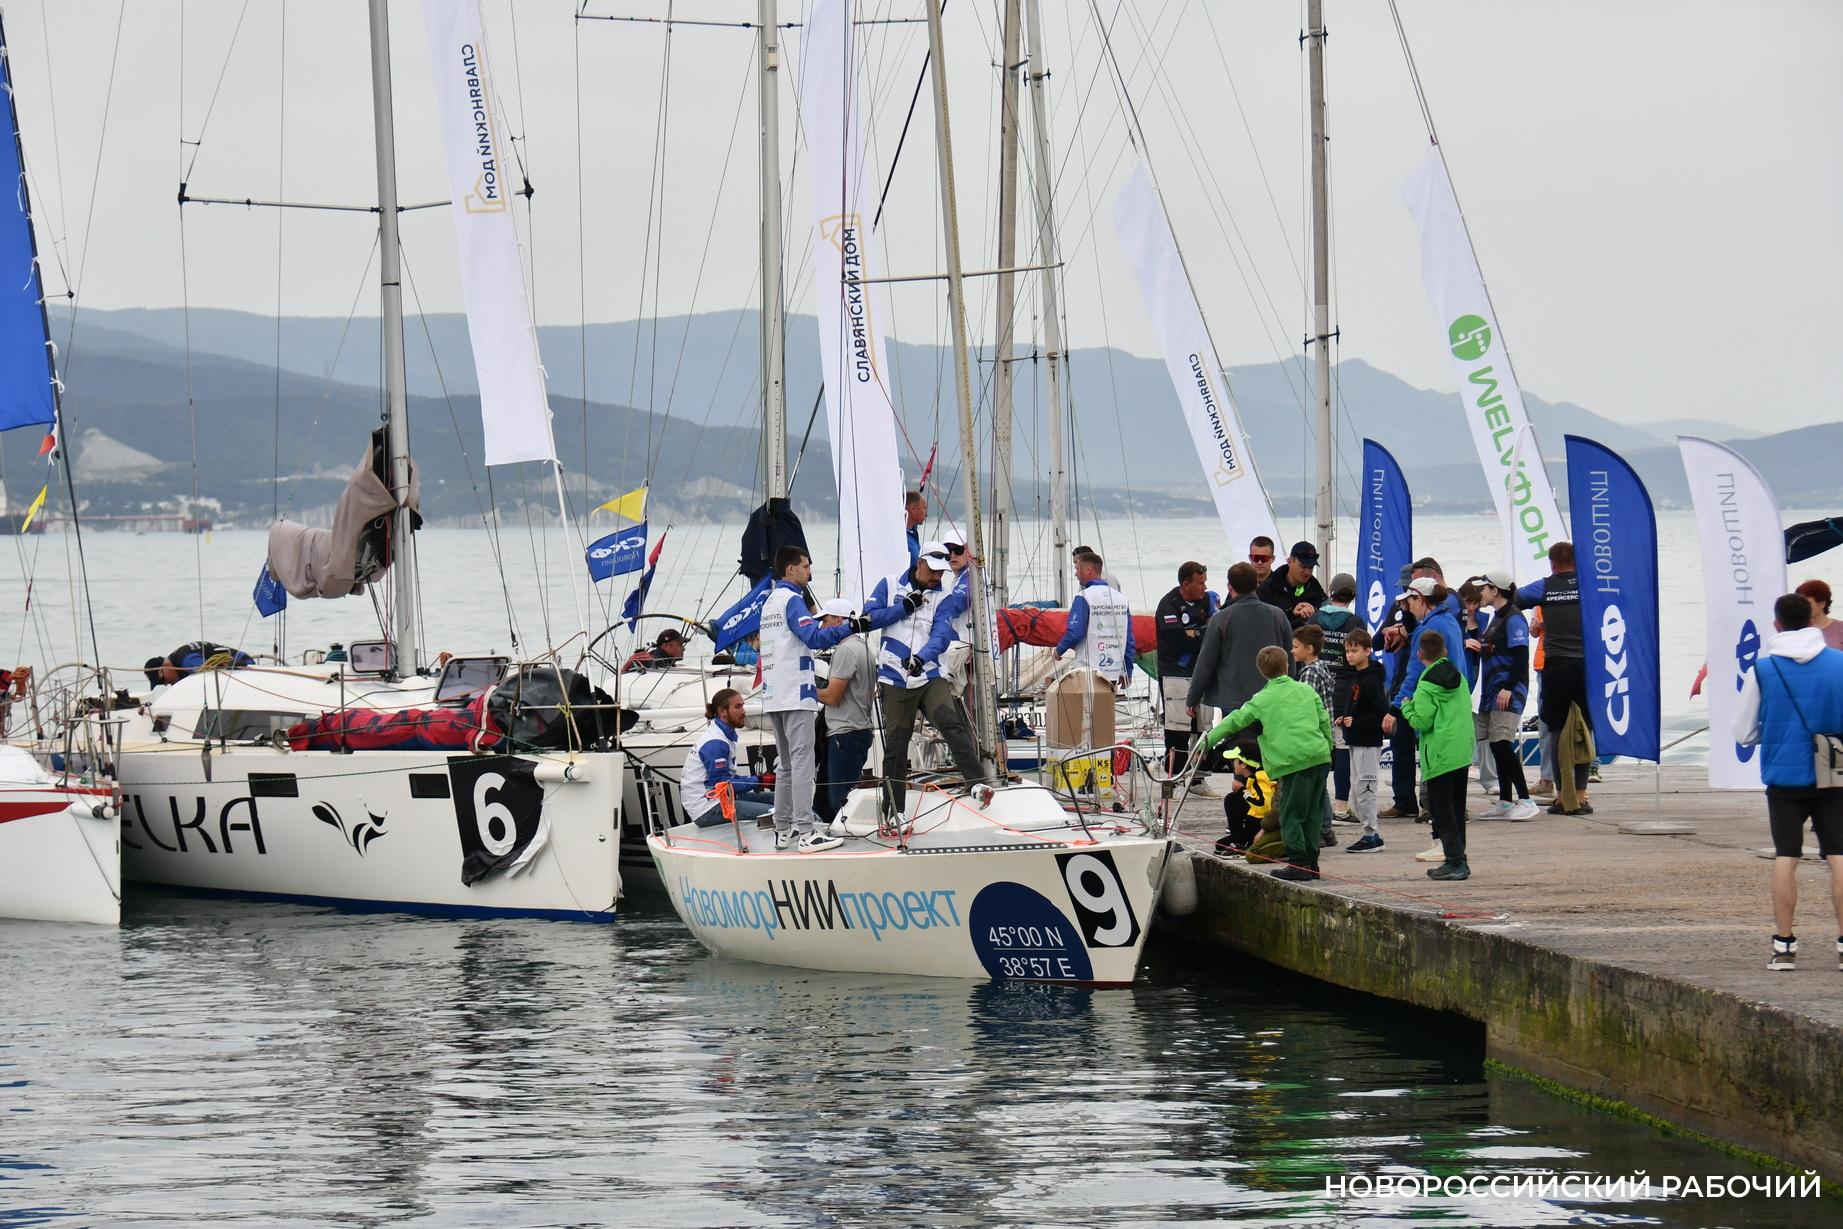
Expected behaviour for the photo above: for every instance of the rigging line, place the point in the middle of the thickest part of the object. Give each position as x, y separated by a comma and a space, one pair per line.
89, 220
665, 146
1253, 149
920, 80
57, 148
492, 529
646, 238
326, 393
198, 142
582, 264
540, 560
185, 316
281, 193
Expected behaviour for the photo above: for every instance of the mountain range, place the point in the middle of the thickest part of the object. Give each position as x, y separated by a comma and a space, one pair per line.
282, 434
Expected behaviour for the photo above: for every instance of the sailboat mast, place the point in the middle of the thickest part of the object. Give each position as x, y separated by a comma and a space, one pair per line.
396, 395
1002, 398
773, 321
1321, 282
1052, 309
984, 690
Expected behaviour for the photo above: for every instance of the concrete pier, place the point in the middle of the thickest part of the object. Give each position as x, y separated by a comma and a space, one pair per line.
1631, 967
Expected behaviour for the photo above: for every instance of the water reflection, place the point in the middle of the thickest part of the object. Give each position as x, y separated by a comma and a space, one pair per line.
268, 1064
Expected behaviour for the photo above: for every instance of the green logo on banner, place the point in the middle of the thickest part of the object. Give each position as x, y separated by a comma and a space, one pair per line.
1470, 337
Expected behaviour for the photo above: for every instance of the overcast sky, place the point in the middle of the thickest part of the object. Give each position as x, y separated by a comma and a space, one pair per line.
1654, 189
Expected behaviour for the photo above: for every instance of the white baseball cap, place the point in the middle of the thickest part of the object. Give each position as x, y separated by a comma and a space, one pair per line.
934, 554
1421, 586
838, 608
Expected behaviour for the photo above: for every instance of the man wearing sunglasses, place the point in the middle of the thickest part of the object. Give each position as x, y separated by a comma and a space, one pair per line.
1260, 556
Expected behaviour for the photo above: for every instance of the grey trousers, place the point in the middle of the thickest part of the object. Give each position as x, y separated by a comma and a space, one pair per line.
796, 770
937, 700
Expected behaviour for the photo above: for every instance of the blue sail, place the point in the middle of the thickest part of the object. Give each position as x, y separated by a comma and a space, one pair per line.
25, 350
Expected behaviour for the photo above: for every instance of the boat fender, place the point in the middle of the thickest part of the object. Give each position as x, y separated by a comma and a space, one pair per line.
88, 810
1179, 898
568, 773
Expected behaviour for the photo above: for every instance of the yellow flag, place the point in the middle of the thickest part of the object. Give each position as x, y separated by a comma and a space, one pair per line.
631, 506
33, 510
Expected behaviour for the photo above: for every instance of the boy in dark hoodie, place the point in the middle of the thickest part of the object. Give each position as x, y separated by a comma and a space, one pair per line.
1440, 710
1337, 620
1362, 703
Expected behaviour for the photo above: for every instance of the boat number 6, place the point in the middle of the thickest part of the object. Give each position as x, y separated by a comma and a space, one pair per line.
1094, 887
498, 829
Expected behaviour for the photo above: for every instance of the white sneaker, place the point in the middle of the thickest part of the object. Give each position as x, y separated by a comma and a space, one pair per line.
1436, 854
1203, 789
1497, 810
783, 839
1524, 810
818, 842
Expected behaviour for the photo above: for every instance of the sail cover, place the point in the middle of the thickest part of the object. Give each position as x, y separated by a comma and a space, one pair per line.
1191, 361
356, 550
513, 407
872, 540
25, 348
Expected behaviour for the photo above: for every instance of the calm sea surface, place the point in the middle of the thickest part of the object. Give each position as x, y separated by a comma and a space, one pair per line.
264, 1064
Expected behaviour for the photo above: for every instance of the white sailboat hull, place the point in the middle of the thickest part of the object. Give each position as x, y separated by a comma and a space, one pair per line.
1074, 911
58, 858
373, 829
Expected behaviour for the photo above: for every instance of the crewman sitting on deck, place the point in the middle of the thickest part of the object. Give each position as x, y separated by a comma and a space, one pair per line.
190, 659
712, 763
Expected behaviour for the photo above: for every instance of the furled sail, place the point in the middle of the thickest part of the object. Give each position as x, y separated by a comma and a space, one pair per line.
342, 560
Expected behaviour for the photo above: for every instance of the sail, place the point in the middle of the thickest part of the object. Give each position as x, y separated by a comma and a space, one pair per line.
513, 407
1481, 364
26, 375
872, 539
1190, 358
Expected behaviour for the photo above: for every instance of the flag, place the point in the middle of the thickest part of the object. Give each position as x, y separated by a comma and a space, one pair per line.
514, 411
1191, 361
636, 601
269, 596
1743, 574
1385, 534
1615, 553
1481, 364
852, 310
37, 503
618, 553
48, 443
741, 620
628, 507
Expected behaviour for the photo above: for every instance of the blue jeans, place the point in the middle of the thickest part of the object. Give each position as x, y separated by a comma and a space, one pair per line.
750, 806
845, 757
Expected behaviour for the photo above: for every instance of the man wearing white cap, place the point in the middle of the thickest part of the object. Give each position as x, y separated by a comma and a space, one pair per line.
909, 670
847, 695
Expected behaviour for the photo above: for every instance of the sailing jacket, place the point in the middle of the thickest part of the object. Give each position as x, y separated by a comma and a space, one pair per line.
1559, 595
1100, 631
1445, 620
1295, 729
1282, 594
1504, 660
1794, 690
790, 635
1180, 631
712, 760
918, 633
1440, 710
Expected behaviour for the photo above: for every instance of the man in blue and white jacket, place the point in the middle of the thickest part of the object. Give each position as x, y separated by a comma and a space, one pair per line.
918, 626
1100, 630
790, 635
712, 761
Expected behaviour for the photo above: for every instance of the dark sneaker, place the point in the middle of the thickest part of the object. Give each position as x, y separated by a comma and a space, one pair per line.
1327, 839
1371, 840
1785, 954
1297, 874
1227, 848
1559, 809
1446, 870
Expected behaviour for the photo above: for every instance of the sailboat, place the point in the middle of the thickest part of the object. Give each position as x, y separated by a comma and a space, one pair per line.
59, 859
999, 881
475, 785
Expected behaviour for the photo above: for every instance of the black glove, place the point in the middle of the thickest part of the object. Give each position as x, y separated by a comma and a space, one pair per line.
915, 666
859, 624
913, 600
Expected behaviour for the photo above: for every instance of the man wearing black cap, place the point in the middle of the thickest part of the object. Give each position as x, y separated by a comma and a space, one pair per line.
1293, 589
668, 647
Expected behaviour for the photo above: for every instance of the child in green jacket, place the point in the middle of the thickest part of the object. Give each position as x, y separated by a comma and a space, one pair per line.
1440, 710
1295, 744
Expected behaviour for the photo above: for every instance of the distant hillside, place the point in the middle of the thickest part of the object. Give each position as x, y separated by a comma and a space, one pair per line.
126, 381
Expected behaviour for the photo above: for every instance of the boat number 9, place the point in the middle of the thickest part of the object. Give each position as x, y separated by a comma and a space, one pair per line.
1100, 901
498, 829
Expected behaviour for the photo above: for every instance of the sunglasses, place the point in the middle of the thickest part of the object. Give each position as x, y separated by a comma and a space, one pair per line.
956, 551
1260, 558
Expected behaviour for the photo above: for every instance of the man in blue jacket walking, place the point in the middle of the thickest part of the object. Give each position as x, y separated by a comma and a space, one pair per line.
1794, 692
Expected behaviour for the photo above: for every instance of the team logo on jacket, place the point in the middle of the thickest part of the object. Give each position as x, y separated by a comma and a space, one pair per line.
499, 808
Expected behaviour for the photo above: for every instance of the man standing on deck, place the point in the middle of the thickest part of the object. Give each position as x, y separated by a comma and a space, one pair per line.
1227, 672
1564, 664
790, 696
1181, 618
914, 512
1100, 630
1293, 589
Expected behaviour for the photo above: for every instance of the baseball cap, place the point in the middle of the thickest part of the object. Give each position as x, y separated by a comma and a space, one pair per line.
1407, 574
669, 636
934, 554
1421, 586
1343, 582
838, 608
1235, 753
1307, 554
1497, 580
